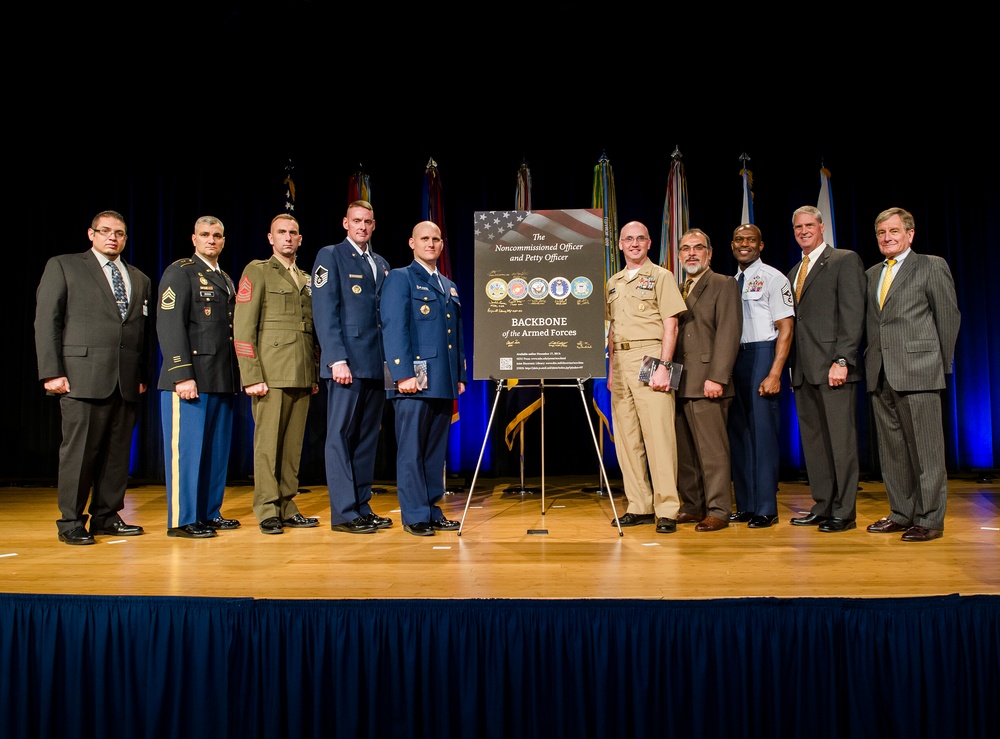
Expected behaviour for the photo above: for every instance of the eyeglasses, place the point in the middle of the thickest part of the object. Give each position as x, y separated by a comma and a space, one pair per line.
106, 232
694, 248
637, 239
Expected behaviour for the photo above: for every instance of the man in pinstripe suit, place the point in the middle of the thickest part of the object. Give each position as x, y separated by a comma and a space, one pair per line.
912, 321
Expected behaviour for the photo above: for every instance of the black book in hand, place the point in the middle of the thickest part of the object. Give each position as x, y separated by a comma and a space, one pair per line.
649, 365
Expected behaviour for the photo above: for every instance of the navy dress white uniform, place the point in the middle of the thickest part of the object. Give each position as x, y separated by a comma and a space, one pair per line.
422, 320
194, 324
755, 420
346, 290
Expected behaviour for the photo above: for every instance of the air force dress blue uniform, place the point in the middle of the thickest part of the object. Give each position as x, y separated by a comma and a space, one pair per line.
422, 320
345, 297
194, 324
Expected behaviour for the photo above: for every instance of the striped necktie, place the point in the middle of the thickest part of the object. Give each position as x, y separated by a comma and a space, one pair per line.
687, 287
801, 279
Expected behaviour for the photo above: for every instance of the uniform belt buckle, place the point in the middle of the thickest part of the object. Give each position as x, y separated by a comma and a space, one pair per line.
624, 346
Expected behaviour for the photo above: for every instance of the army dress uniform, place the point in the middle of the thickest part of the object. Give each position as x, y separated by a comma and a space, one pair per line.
194, 324
276, 343
643, 418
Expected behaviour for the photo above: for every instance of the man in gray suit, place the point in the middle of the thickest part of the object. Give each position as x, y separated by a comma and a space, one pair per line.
92, 339
829, 290
912, 325
708, 340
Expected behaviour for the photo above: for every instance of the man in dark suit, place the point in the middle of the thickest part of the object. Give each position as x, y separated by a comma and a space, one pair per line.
276, 349
93, 338
347, 281
708, 339
199, 381
829, 323
912, 328
422, 321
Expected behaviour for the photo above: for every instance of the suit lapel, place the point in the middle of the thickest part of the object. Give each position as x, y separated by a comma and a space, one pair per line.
699, 287
820, 264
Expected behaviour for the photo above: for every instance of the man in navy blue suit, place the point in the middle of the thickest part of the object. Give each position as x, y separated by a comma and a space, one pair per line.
347, 280
422, 321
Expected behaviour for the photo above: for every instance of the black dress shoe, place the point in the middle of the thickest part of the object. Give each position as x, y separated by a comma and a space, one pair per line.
298, 521
741, 516
377, 521
838, 524
271, 525
813, 519
921, 533
220, 524
665, 525
359, 525
443, 524
77, 536
634, 519
762, 522
116, 528
421, 528
191, 531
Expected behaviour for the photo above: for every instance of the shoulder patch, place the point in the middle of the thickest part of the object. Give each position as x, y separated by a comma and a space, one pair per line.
245, 294
786, 295
168, 300
321, 276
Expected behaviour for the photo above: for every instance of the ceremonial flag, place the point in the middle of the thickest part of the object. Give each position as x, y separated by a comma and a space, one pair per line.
433, 209
675, 217
289, 188
359, 186
525, 400
747, 176
825, 205
604, 197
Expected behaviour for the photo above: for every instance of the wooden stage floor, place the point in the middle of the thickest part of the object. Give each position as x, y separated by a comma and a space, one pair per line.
553, 545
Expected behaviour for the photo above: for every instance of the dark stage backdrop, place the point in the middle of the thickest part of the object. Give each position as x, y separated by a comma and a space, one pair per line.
163, 182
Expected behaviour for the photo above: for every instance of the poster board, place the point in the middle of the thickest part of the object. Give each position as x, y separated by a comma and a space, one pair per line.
539, 306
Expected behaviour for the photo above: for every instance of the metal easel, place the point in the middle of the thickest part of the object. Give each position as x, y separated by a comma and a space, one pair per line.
586, 412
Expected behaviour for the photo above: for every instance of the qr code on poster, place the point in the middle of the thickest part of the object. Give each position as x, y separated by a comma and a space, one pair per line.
506, 363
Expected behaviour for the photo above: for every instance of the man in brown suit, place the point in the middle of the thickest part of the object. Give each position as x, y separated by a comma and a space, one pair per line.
708, 340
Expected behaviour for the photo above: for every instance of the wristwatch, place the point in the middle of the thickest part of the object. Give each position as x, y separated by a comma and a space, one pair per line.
841, 361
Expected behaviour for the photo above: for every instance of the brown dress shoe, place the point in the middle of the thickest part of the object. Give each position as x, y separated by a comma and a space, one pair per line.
688, 518
711, 523
921, 533
886, 525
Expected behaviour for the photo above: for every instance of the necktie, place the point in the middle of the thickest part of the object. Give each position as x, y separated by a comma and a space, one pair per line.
739, 282
371, 261
800, 280
687, 287
886, 281
118, 284
293, 273
437, 276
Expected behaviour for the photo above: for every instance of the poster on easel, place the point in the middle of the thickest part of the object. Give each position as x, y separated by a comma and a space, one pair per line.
539, 307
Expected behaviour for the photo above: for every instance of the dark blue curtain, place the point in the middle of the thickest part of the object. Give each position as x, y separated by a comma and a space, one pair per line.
88, 667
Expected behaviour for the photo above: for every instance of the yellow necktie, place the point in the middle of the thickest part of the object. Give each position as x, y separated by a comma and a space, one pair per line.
800, 280
687, 287
886, 281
